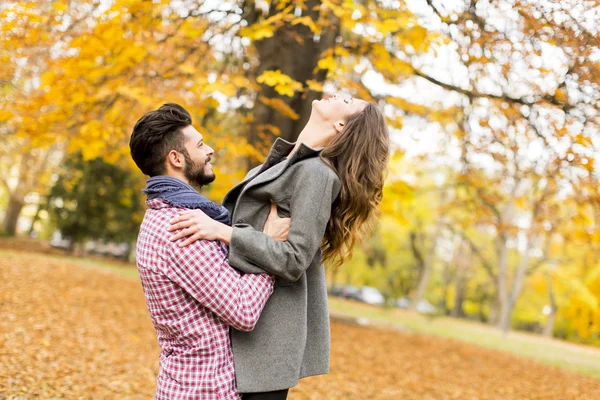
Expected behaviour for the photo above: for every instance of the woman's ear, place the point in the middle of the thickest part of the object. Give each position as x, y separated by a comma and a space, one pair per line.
339, 125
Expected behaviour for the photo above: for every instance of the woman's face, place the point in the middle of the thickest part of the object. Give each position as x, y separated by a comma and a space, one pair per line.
337, 108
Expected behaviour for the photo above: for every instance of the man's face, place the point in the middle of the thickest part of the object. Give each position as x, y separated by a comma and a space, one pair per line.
338, 108
198, 169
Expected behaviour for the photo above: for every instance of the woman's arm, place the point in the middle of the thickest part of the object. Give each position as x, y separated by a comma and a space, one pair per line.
315, 189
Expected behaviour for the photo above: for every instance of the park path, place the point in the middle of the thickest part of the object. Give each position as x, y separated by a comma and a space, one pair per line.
68, 330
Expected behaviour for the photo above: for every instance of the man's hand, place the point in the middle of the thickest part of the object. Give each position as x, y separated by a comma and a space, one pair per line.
196, 225
276, 227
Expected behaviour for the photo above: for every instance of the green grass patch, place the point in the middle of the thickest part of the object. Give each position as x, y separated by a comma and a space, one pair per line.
569, 356
126, 270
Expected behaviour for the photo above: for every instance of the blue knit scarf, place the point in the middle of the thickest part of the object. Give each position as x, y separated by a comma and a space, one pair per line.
180, 194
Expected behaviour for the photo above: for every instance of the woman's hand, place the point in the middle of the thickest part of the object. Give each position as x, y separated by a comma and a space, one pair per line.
196, 225
277, 227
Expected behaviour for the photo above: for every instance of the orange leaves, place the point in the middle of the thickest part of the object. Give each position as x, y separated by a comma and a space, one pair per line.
71, 329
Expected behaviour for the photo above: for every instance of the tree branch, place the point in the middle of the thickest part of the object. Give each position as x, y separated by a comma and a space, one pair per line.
472, 94
435, 10
486, 264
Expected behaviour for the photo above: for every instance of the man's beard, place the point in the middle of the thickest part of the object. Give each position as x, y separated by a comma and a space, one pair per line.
195, 173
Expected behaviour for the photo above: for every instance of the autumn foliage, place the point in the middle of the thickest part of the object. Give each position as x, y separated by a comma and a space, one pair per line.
492, 207
71, 330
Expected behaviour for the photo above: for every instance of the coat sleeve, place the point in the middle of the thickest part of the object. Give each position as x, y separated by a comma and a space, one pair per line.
252, 251
202, 270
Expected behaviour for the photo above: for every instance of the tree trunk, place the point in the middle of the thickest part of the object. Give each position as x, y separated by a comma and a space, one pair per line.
446, 279
132, 251
427, 268
517, 288
459, 298
13, 211
494, 315
333, 276
35, 218
551, 322
502, 283
295, 52
425, 276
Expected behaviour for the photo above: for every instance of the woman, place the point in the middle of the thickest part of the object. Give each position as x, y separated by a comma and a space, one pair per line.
330, 182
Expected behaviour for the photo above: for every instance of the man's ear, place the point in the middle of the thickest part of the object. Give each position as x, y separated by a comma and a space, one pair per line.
175, 159
339, 125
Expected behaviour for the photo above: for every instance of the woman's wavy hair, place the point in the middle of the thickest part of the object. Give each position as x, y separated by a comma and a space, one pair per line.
359, 156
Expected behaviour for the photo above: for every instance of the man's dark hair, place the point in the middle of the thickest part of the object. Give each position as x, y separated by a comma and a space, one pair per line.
156, 134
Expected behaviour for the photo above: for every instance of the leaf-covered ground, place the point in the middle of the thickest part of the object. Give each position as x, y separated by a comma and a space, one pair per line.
68, 330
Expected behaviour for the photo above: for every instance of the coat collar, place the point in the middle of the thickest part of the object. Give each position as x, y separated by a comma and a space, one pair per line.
273, 166
282, 148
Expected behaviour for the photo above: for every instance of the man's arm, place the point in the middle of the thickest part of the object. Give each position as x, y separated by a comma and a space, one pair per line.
203, 271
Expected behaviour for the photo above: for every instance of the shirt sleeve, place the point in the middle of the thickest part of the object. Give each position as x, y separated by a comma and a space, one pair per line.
203, 271
252, 251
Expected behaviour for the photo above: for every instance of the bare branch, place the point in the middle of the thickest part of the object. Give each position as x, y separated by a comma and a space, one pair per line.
472, 94
475, 249
434, 8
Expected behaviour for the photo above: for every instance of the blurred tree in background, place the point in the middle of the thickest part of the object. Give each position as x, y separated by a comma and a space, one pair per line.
491, 208
95, 200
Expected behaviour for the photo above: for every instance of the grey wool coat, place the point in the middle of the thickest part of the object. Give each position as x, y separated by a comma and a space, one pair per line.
291, 339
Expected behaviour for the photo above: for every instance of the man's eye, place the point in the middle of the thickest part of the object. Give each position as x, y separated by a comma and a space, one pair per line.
346, 101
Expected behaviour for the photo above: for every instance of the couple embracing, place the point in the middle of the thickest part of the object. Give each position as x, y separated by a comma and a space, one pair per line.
237, 293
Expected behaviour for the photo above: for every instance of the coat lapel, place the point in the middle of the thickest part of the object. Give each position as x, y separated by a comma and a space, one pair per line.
265, 173
266, 176
231, 197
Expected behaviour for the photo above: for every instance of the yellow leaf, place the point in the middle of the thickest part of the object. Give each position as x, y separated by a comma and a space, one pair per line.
561, 96
282, 83
314, 85
60, 6
5, 115
327, 63
187, 69
309, 23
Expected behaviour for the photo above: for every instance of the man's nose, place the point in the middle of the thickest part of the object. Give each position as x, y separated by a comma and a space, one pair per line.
209, 150
335, 96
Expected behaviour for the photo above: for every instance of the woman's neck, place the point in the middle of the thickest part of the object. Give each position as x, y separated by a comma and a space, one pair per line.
314, 135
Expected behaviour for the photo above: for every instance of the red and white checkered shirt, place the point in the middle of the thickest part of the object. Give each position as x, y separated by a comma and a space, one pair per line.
194, 296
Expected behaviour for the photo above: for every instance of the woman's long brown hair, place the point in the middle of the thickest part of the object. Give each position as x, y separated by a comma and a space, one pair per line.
359, 156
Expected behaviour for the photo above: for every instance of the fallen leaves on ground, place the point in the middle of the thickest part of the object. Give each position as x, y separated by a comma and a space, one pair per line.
72, 331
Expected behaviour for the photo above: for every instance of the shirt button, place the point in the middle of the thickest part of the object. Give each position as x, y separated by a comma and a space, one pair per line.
301, 151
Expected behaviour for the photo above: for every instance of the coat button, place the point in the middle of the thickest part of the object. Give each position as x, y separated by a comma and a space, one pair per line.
240, 221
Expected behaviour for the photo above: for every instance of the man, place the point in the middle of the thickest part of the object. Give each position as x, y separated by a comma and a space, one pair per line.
192, 293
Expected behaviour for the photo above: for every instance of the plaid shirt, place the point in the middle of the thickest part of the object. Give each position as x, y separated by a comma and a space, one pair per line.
194, 296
